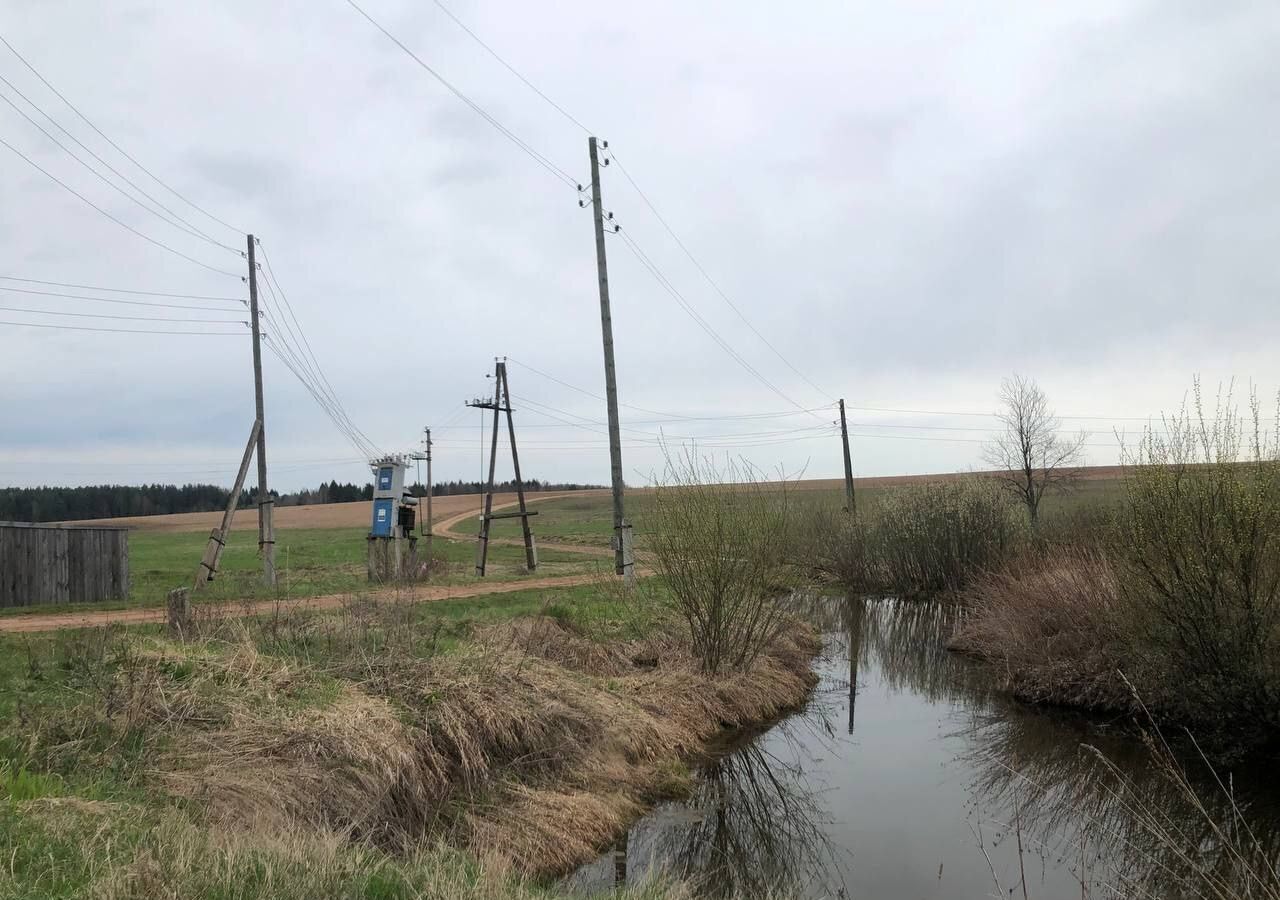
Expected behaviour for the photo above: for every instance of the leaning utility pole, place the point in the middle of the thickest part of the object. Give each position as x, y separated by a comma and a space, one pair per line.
623, 561
266, 534
850, 500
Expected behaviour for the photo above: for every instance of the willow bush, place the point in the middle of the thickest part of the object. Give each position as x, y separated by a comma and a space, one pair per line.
918, 539
938, 535
1198, 560
720, 539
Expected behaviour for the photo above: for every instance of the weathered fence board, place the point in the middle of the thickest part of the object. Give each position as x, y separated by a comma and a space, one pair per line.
62, 564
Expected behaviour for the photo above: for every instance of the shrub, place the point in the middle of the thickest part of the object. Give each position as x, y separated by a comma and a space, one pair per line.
939, 535
1199, 562
835, 545
720, 540
1051, 625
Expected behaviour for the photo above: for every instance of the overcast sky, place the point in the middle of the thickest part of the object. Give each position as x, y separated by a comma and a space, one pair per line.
908, 200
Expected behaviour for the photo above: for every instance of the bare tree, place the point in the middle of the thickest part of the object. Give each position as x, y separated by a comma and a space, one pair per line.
1031, 456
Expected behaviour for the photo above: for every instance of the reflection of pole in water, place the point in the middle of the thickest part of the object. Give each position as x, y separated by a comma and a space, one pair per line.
620, 861
855, 608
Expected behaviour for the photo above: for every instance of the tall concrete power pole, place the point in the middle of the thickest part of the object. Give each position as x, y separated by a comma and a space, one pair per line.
266, 533
623, 559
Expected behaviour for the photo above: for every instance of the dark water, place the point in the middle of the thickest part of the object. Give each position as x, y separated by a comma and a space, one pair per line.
906, 777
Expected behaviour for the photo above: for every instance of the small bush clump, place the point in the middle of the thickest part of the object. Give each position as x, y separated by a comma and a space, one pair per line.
720, 540
922, 539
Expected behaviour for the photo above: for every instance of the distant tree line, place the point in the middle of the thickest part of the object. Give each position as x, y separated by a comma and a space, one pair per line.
55, 504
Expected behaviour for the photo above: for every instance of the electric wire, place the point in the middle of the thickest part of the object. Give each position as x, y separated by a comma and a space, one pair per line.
510, 68
171, 218
289, 357
306, 343
305, 357
668, 416
108, 290
292, 357
643, 196
117, 300
320, 400
51, 312
205, 333
99, 209
711, 281
117, 147
700, 321
539, 158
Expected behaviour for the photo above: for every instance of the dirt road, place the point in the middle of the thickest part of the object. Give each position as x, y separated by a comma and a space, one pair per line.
414, 594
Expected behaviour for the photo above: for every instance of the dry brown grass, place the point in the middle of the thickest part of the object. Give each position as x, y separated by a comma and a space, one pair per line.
534, 746
1050, 625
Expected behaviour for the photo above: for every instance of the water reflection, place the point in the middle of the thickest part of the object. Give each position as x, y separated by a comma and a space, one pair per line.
943, 787
754, 827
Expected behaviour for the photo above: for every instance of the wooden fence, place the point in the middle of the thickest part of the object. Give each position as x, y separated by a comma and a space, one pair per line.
62, 564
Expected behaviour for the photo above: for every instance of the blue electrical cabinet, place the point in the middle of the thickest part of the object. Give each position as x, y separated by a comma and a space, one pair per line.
383, 517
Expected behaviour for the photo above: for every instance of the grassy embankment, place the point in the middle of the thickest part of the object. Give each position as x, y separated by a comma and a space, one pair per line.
450, 749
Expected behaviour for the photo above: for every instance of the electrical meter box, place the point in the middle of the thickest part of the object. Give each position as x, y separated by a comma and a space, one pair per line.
389, 497
383, 518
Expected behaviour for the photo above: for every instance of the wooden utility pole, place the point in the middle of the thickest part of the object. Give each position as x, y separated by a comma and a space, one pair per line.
218, 537
429, 524
266, 533
500, 403
850, 501
623, 560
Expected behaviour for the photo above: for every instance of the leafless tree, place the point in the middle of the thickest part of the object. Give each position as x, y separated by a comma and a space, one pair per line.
1031, 456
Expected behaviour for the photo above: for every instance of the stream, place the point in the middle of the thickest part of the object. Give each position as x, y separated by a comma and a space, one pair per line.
907, 777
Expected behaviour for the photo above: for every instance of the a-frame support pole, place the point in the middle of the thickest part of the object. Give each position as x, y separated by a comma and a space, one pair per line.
500, 403
530, 551
218, 537
482, 548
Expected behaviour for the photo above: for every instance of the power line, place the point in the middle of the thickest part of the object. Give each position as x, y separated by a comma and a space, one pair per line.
289, 357
306, 360
306, 343
668, 416
711, 281
643, 196
118, 148
321, 401
50, 312
171, 219
684, 304
95, 206
205, 333
94, 287
990, 415
510, 68
115, 300
543, 161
